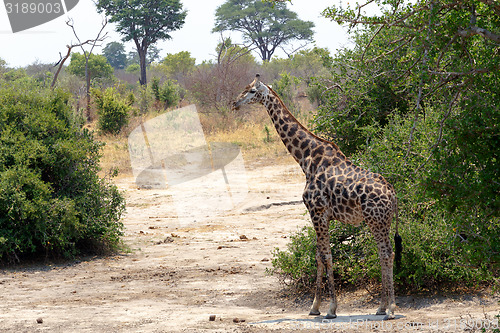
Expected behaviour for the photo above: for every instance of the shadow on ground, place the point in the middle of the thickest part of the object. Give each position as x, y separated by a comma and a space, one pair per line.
356, 321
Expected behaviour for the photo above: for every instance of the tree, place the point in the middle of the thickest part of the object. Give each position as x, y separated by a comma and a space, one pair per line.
89, 66
145, 22
3, 65
443, 55
416, 98
266, 26
115, 54
92, 43
177, 65
214, 85
98, 66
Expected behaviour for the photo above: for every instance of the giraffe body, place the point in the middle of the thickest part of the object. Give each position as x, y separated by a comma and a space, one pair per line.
336, 189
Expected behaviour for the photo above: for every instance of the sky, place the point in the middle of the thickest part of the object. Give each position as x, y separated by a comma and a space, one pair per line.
44, 43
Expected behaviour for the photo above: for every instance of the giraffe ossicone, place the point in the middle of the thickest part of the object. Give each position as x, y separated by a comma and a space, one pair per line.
336, 189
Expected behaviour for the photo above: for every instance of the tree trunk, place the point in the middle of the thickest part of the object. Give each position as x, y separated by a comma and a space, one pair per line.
87, 79
61, 63
142, 60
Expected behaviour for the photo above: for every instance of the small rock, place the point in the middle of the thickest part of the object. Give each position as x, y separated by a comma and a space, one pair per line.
243, 237
236, 320
265, 259
168, 240
212, 318
39, 320
174, 235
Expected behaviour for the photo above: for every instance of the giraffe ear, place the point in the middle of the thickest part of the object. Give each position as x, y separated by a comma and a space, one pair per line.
260, 86
257, 80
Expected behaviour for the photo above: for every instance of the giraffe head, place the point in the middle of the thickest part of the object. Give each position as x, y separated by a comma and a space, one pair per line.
255, 92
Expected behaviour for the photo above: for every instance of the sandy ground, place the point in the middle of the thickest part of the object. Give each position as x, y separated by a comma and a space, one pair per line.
177, 275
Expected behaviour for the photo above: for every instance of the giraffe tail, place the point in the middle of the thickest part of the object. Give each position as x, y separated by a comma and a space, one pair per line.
398, 242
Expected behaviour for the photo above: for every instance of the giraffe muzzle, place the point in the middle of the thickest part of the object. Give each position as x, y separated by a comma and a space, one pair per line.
235, 106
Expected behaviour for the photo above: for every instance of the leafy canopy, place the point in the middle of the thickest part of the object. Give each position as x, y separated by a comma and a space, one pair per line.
115, 54
422, 55
178, 63
264, 25
98, 66
145, 20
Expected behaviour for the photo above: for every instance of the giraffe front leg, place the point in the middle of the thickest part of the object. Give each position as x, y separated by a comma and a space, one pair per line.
331, 287
381, 311
319, 279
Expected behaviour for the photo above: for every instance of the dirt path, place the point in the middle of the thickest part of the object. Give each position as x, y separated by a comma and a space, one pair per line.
176, 276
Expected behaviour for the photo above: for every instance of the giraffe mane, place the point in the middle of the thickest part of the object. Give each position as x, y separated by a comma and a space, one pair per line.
303, 127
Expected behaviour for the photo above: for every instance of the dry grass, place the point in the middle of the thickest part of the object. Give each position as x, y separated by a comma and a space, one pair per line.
246, 129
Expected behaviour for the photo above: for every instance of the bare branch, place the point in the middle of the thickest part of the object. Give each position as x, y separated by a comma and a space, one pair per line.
289, 53
233, 52
371, 40
391, 51
363, 5
445, 49
418, 104
475, 30
60, 63
93, 43
472, 71
479, 31
440, 131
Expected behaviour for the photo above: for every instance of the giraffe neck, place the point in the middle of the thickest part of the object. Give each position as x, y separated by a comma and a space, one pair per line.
306, 148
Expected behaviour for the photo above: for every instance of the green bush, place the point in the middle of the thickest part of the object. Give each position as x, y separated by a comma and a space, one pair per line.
285, 88
440, 250
113, 110
51, 198
353, 250
167, 93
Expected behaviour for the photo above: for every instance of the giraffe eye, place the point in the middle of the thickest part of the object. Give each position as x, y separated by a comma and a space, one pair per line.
253, 90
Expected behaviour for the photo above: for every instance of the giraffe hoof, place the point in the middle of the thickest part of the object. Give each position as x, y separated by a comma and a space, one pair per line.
330, 316
389, 317
314, 313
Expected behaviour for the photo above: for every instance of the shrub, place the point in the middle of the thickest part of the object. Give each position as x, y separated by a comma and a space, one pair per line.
51, 198
440, 251
285, 88
167, 93
97, 66
113, 111
133, 69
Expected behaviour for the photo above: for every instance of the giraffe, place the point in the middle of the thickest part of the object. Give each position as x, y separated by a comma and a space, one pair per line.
336, 189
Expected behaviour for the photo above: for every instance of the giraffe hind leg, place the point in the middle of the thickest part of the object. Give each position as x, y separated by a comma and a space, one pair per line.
380, 230
387, 304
